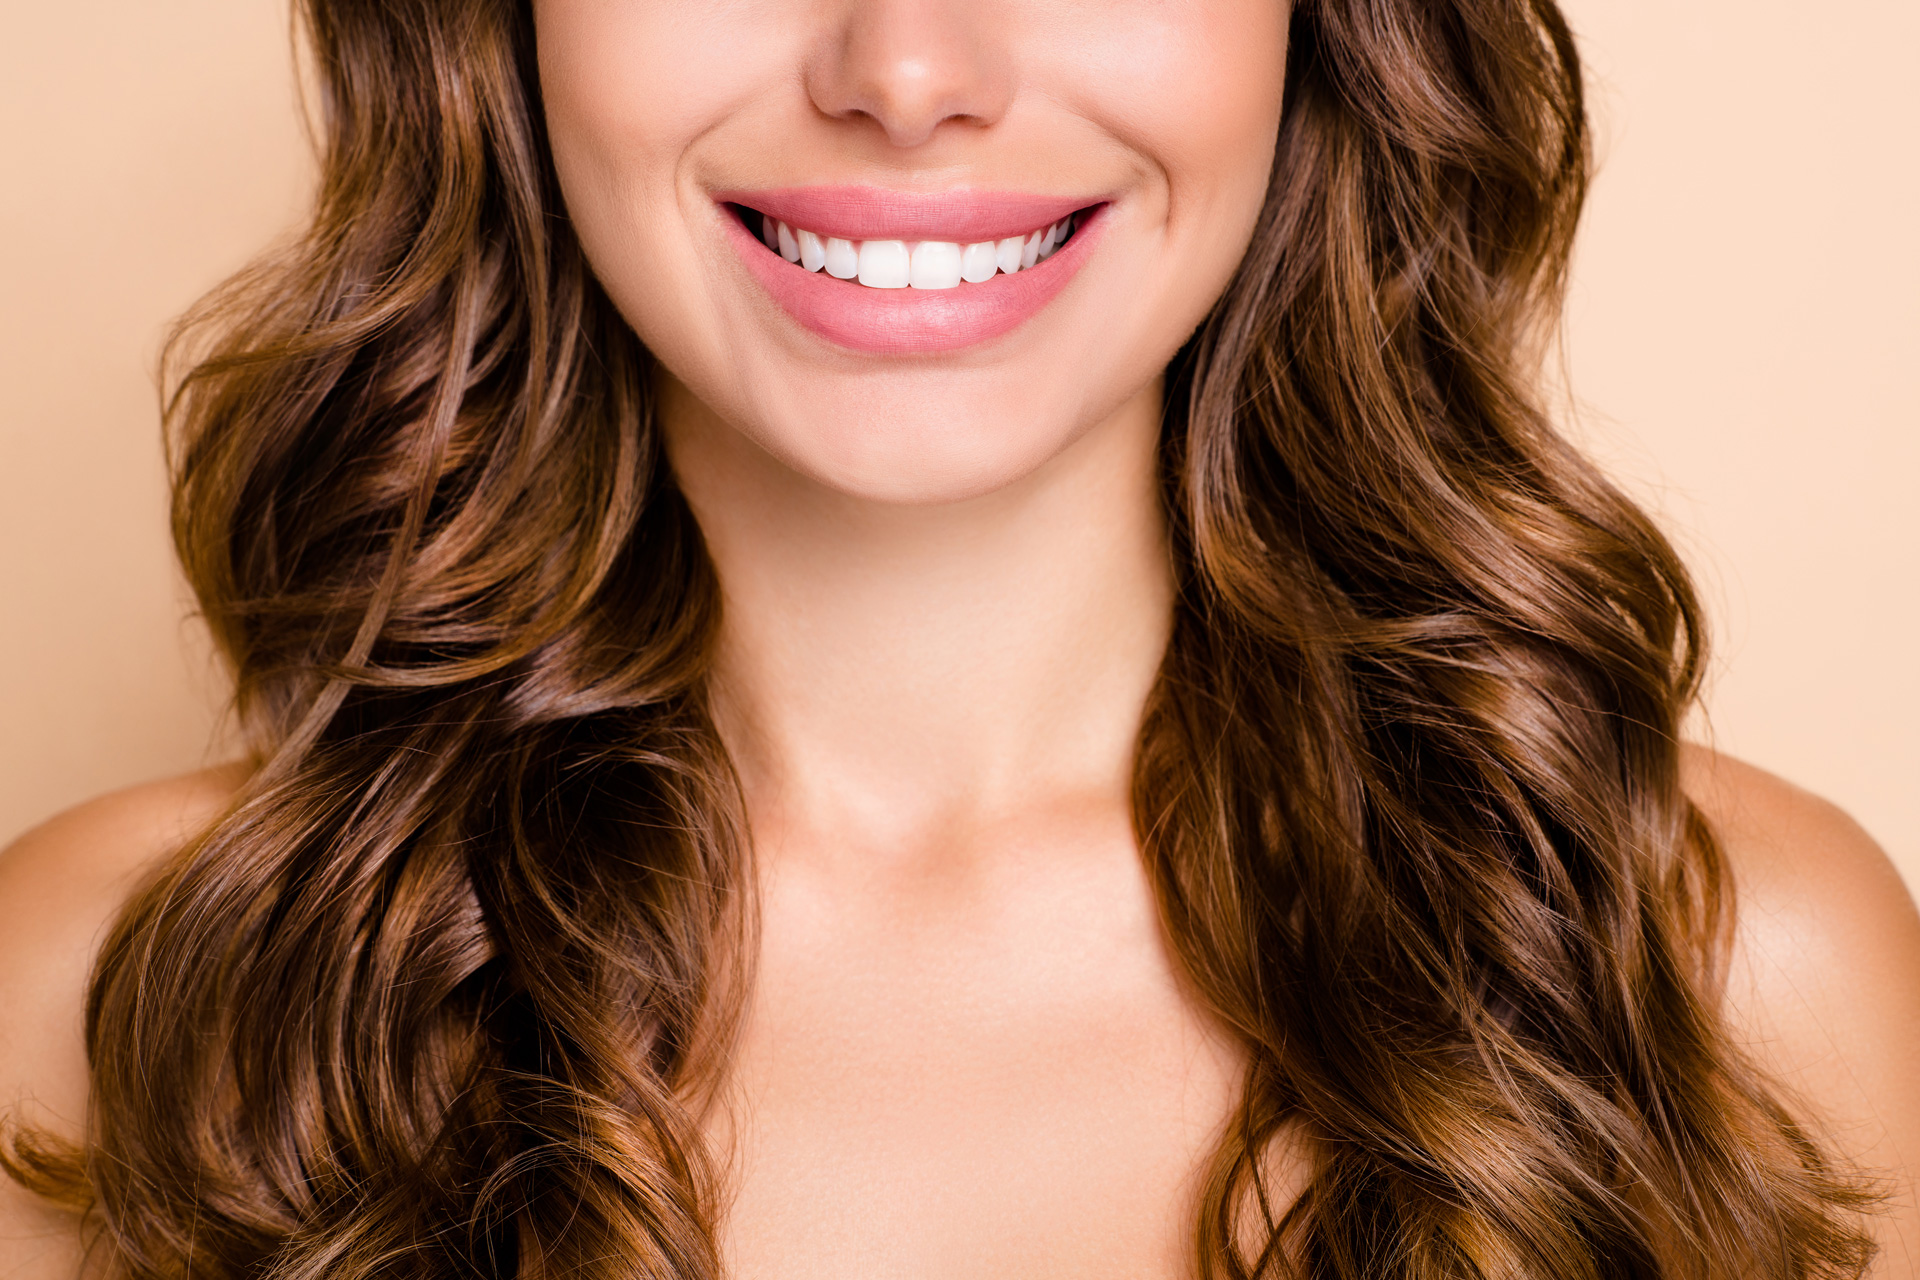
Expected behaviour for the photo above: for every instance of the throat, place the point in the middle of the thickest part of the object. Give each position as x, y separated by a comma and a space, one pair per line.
1009, 1080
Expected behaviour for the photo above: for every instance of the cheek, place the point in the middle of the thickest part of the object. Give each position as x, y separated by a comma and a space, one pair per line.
627, 86
640, 72
1195, 86
1192, 90
630, 88
1225, 111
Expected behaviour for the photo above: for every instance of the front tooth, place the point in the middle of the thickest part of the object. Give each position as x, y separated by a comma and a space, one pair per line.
813, 253
935, 265
843, 260
789, 247
884, 264
1030, 251
1006, 254
977, 265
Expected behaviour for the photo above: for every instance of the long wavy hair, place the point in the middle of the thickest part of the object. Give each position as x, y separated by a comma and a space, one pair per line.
431, 998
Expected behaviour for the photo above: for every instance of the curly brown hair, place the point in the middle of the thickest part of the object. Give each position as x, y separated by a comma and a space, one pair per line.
428, 1001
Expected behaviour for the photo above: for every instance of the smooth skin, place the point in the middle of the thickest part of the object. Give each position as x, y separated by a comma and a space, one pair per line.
924, 1032
968, 1052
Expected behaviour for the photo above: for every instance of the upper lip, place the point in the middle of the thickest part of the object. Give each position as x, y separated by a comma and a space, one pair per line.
963, 215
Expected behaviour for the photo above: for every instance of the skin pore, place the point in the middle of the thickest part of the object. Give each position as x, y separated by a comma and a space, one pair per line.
967, 1051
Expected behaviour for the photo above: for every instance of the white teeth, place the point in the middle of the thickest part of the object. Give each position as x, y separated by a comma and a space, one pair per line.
977, 265
843, 260
927, 264
884, 264
936, 265
813, 251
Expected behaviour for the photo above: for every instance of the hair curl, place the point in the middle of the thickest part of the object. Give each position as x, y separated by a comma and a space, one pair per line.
428, 1001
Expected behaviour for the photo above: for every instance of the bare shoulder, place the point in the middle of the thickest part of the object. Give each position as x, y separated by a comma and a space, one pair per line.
61, 886
1825, 980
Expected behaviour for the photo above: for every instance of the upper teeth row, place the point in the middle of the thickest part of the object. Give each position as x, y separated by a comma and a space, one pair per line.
928, 264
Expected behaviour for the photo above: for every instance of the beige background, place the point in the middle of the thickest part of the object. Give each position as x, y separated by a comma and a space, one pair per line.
1741, 345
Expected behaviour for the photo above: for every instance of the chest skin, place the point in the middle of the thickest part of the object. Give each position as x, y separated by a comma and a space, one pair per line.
967, 1077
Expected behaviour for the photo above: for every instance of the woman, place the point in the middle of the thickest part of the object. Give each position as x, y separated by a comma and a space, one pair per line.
942, 639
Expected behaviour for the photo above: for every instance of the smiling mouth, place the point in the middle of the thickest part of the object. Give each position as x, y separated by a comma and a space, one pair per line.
908, 264
897, 273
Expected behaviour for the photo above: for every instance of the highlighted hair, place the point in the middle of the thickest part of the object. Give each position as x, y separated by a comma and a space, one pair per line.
430, 999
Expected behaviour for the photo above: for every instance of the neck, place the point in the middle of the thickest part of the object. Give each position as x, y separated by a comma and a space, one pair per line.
894, 675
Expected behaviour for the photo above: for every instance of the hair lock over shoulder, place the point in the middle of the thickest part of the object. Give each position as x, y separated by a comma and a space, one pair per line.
430, 999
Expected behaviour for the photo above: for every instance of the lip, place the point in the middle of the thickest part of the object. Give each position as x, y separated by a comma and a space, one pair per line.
875, 213
911, 321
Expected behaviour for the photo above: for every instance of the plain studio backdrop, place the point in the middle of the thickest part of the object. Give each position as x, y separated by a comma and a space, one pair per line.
1741, 349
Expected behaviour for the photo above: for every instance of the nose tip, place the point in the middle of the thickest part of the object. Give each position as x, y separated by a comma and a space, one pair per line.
911, 66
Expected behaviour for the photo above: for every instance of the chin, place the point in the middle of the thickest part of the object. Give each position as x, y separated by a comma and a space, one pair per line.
892, 446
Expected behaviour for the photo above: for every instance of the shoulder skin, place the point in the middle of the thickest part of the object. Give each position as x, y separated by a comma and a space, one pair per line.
1824, 985
61, 887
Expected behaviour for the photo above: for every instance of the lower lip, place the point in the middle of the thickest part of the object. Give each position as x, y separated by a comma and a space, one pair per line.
914, 321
